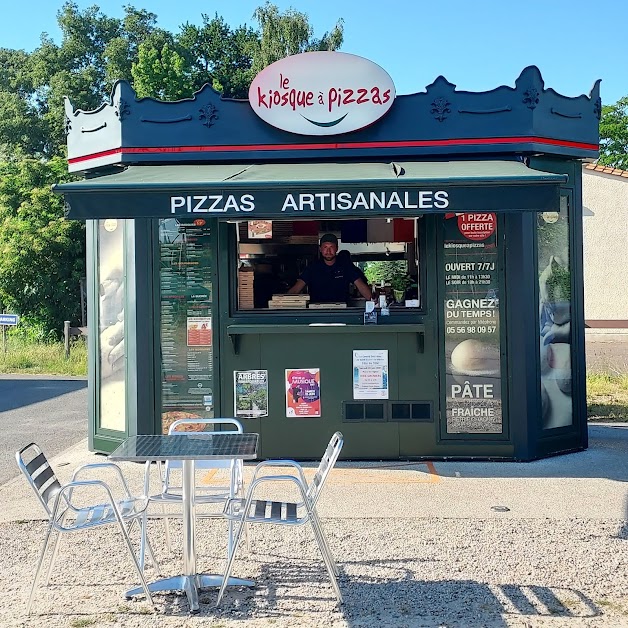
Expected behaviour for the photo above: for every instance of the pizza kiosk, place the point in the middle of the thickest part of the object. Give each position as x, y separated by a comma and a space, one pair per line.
460, 210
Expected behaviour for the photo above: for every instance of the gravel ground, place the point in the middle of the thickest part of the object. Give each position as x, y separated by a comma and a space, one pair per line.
395, 572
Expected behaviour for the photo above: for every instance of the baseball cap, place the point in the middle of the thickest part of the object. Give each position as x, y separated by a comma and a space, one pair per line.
328, 237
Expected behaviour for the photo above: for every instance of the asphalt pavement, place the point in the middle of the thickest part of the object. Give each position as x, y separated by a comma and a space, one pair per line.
48, 409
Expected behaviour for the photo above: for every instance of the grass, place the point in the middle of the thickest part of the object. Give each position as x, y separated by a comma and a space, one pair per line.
607, 396
607, 393
43, 358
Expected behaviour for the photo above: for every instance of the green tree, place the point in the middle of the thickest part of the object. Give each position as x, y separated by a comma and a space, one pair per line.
41, 253
162, 73
289, 33
138, 26
614, 134
219, 55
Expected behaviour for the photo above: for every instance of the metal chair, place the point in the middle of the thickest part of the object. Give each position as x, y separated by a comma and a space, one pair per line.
67, 514
249, 510
215, 493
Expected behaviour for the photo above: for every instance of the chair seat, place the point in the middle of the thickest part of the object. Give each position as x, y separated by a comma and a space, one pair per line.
101, 514
176, 497
264, 511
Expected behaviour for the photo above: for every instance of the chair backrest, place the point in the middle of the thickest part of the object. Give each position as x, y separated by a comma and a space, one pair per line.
326, 465
235, 428
39, 474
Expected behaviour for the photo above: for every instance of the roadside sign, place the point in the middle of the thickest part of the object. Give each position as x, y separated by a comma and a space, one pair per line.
9, 319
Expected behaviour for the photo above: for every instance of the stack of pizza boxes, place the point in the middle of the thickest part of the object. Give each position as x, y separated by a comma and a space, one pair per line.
289, 301
246, 278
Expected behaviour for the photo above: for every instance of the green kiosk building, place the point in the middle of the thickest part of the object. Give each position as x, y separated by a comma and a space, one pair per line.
461, 212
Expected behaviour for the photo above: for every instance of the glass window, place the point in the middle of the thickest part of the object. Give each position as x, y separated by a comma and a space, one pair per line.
112, 359
283, 264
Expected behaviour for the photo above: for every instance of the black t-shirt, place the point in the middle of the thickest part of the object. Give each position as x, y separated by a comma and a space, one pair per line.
329, 284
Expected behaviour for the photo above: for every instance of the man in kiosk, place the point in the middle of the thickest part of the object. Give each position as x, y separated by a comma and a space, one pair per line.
328, 278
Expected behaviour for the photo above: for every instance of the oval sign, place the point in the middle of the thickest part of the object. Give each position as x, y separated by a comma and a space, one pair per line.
322, 93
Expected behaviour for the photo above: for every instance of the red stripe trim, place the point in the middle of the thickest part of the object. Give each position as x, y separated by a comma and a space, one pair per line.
606, 324
148, 150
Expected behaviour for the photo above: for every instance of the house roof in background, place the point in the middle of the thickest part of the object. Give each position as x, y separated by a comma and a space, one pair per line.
618, 172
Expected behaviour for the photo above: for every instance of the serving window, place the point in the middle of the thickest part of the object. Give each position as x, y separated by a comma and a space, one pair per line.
273, 255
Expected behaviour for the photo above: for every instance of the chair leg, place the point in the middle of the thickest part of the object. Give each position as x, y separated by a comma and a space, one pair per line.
151, 554
143, 539
53, 558
326, 560
146, 545
225, 578
55, 551
44, 549
247, 539
139, 570
240, 492
325, 541
167, 529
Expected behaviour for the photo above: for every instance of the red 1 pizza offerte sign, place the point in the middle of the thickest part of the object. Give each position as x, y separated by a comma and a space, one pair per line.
477, 226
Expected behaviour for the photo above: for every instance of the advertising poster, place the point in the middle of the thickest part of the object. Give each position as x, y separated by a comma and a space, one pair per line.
471, 314
555, 318
303, 393
199, 331
112, 358
260, 229
370, 374
185, 282
250, 394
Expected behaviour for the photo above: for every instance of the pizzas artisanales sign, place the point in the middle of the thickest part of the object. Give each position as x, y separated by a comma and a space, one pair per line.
322, 93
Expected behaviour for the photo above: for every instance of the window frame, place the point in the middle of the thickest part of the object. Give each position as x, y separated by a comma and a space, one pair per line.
350, 315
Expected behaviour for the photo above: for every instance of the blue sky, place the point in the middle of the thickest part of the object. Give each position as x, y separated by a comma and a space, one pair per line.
476, 44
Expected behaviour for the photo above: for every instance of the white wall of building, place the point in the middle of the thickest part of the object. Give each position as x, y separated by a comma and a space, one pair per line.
605, 219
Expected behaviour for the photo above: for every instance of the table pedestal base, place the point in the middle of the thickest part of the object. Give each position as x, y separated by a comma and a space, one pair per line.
190, 585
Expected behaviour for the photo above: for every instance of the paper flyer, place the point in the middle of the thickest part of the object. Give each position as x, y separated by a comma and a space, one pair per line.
370, 374
199, 331
250, 394
303, 393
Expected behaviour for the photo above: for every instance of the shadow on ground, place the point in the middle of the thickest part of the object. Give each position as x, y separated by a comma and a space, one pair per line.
19, 392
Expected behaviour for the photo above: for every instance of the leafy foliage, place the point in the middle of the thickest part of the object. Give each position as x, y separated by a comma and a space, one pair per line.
393, 272
219, 55
614, 134
41, 253
162, 73
287, 34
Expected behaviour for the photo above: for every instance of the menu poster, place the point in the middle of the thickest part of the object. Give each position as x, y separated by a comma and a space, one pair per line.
471, 314
303, 393
185, 280
250, 393
370, 374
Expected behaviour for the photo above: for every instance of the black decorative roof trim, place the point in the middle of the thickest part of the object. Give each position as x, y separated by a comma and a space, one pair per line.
524, 119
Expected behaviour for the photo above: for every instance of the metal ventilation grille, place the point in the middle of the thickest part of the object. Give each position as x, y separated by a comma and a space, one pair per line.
364, 411
411, 411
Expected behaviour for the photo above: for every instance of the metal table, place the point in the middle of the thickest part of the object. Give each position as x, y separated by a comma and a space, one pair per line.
187, 448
